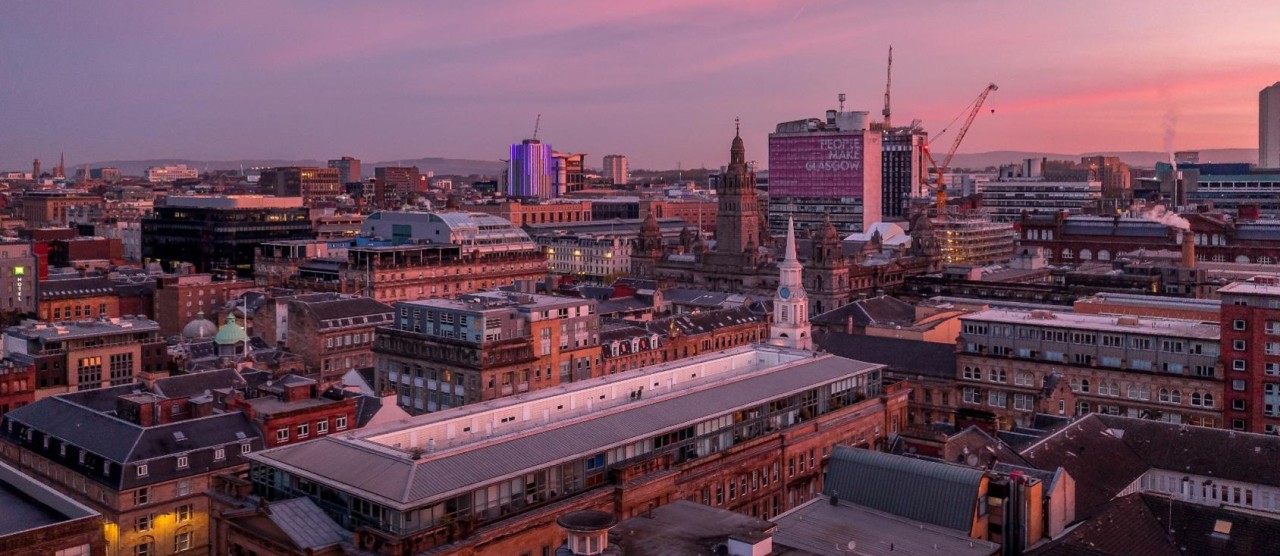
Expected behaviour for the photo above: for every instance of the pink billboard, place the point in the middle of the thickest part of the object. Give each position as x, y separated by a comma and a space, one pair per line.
811, 166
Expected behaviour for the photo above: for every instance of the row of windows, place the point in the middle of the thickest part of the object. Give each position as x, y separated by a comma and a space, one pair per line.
302, 431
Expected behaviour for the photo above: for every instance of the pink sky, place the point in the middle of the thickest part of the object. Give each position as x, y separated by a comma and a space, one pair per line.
660, 81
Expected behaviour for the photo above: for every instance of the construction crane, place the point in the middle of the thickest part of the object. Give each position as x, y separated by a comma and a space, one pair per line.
939, 170
537, 124
888, 83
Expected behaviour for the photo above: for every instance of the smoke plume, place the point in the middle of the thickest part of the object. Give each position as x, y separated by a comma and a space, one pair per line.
1167, 217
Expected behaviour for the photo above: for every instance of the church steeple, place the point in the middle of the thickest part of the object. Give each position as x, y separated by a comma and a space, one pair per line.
790, 307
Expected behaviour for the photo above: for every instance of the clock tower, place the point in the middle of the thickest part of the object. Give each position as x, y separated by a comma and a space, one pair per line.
790, 305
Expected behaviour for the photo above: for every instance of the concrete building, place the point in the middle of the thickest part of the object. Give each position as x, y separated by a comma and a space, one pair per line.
1251, 355
1025, 188
524, 213
444, 353
471, 231
1232, 187
592, 257
108, 174
825, 167
86, 355
171, 173
221, 233
1014, 364
41, 520
395, 186
903, 168
348, 168
51, 208
530, 173
615, 169
569, 172
314, 185
19, 269
619, 444
1269, 127
274, 262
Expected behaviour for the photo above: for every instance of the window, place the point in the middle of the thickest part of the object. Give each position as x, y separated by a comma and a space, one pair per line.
340, 423
1239, 324
972, 373
219, 454
1237, 385
141, 496
998, 375
82, 550
322, 427
1238, 345
972, 395
304, 430
1024, 402
144, 523
282, 434
145, 548
997, 398
142, 470
183, 463
1024, 379
245, 448
1237, 404
182, 541
1238, 365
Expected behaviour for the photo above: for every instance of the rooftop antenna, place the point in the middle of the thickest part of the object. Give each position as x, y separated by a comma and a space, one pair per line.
537, 124
888, 82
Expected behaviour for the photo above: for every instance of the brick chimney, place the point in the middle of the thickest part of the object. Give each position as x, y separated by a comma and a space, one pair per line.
1188, 249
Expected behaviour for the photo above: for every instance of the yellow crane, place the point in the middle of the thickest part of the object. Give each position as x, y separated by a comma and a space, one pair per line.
939, 170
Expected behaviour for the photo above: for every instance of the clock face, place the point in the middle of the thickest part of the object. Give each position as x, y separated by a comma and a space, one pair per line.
785, 292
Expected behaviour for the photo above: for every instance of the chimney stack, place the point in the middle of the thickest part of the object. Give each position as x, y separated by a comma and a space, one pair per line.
1188, 249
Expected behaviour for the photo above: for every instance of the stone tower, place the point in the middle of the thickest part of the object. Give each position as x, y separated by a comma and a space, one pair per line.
827, 271
737, 222
647, 250
790, 326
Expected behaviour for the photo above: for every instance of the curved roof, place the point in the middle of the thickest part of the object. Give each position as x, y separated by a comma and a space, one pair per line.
199, 328
920, 490
231, 333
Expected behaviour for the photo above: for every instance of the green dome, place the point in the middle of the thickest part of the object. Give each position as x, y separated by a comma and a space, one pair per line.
230, 333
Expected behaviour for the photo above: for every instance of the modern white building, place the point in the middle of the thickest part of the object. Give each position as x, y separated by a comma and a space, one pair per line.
615, 168
1269, 127
169, 173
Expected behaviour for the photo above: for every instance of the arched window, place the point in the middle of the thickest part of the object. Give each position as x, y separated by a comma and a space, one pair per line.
1084, 386
1242, 259
1086, 255
1104, 255
1175, 397
1164, 395
1195, 399
1208, 399
1067, 254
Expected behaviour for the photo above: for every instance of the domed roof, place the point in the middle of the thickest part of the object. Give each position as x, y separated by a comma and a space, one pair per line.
231, 333
199, 328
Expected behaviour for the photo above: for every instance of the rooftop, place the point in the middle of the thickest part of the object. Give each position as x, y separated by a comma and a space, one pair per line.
232, 201
377, 464
921, 490
684, 527
1180, 328
28, 504
818, 526
1250, 288
82, 329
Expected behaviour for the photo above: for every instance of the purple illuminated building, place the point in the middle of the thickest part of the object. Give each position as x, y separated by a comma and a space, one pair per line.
530, 173
825, 167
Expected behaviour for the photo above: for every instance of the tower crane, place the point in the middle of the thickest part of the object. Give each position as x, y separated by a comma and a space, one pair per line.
537, 124
939, 170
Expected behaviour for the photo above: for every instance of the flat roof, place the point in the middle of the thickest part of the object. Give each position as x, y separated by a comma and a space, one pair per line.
28, 504
83, 329
1181, 328
232, 201
1250, 288
818, 526
391, 476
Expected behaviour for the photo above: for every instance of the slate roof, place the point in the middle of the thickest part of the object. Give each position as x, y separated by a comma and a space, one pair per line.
74, 288
817, 527
899, 356
1101, 463
306, 524
920, 490
337, 310
1205, 451
691, 324
876, 310
195, 384
704, 298
1149, 524
390, 477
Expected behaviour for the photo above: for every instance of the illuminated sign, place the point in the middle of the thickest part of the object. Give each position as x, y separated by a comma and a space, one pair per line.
829, 166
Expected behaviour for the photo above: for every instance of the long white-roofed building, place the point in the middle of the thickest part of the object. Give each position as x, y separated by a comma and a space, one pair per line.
747, 429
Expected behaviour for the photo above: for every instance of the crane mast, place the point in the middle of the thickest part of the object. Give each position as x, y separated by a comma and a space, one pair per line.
940, 169
888, 83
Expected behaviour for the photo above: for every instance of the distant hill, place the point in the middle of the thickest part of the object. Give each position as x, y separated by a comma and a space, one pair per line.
441, 166
1140, 159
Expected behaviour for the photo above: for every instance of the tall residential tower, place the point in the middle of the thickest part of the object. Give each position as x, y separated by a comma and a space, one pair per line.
1269, 127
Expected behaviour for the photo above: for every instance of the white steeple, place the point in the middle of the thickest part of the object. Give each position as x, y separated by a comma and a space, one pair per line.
790, 307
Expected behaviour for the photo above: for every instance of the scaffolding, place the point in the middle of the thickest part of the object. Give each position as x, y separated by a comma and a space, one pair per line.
969, 236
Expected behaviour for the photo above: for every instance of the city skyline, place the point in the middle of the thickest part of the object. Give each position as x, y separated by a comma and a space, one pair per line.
660, 82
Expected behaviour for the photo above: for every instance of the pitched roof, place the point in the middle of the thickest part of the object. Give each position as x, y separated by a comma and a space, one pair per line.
1099, 461
306, 524
1220, 453
706, 321
816, 526
195, 384
876, 310
900, 356
920, 490
78, 287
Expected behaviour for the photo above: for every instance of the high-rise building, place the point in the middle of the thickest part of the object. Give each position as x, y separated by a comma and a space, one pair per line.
1269, 127
1251, 355
220, 233
615, 168
314, 185
569, 172
902, 167
394, 186
530, 172
825, 167
348, 169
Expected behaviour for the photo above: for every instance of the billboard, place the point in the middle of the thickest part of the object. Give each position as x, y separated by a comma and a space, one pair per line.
810, 166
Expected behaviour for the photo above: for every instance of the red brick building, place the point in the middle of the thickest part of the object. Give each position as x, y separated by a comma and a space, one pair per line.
295, 409
78, 299
1217, 237
631, 345
179, 298
1251, 355
332, 332
17, 385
